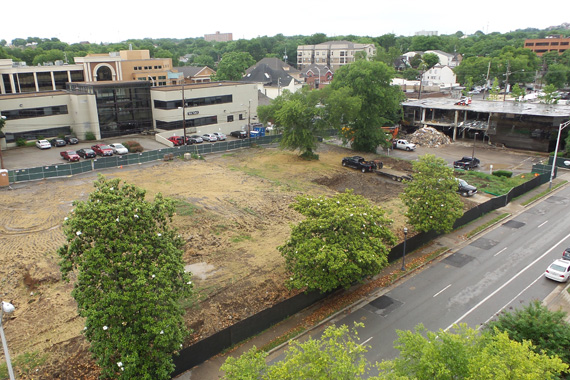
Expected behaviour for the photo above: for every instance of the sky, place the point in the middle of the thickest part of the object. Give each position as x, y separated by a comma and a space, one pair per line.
119, 20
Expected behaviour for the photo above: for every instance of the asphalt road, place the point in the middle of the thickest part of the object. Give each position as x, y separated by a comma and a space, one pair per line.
501, 269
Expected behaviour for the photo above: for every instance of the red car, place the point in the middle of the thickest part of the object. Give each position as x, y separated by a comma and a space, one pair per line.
176, 140
102, 150
70, 155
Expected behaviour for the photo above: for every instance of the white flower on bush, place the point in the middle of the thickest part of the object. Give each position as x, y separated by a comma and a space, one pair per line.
120, 364
159, 234
78, 233
105, 328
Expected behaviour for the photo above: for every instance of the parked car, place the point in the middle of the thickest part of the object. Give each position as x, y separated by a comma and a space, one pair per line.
559, 270
118, 148
239, 134
86, 153
209, 137
466, 163
196, 139
57, 142
69, 155
220, 136
176, 140
359, 163
403, 144
102, 150
566, 254
71, 140
464, 188
43, 144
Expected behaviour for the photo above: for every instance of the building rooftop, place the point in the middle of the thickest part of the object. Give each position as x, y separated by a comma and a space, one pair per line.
487, 106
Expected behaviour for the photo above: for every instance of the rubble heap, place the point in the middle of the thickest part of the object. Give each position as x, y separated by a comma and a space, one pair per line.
430, 137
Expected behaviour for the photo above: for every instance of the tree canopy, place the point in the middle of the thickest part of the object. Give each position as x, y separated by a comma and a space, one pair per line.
129, 279
233, 66
343, 239
431, 197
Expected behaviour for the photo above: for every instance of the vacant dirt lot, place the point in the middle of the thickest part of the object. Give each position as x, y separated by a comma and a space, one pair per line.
233, 211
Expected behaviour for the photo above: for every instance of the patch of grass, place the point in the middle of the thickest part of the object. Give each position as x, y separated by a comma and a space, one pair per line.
282, 339
184, 208
219, 228
493, 184
489, 223
240, 238
250, 211
24, 363
545, 192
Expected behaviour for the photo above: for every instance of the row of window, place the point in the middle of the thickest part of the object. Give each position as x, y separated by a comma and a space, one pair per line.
547, 44
37, 134
158, 67
34, 112
194, 102
197, 122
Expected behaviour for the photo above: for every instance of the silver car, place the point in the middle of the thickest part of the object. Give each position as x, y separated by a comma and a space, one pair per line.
209, 137
220, 136
119, 148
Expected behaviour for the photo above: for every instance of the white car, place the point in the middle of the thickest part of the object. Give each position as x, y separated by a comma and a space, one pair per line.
404, 144
43, 144
559, 270
220, 136
119, 148
209, 137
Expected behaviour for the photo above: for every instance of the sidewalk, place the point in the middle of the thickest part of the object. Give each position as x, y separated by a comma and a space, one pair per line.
450, 243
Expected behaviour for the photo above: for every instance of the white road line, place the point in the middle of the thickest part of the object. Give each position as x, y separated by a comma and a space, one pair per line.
366, 341
441, 291
511, 301
542, 224
506, 283
496, 254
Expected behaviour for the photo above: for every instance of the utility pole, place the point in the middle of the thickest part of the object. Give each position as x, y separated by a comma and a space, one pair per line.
487, 80
183, 113
507, 80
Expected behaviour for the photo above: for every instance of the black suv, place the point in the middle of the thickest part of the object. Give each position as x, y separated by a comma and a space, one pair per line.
239, 134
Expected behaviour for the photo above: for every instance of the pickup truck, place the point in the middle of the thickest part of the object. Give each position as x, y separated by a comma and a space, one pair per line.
403, 144
466, 163
360, 163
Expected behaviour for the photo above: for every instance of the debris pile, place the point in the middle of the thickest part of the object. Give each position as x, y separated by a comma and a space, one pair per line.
429, 137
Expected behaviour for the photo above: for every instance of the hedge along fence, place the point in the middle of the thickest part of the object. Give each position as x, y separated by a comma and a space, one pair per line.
213, 345
67, 169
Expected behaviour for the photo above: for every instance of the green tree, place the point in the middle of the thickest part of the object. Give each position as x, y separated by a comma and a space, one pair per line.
343, 239
517, 93
495, 89
557, 75
465, 354
48, 57
431, 197
416, 61
547, 330
233, 66
411, 74
130, 279
549, 95
468, 86
336, 355
430, 59
381, 102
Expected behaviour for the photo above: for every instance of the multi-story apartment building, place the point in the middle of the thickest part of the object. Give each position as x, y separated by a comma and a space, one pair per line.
550, 43
126, 65
333, 54
218, 37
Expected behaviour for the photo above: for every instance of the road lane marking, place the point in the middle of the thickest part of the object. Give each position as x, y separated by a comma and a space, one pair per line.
496, 254
542, 224
366, 341
506, 283
441, 291
511, 301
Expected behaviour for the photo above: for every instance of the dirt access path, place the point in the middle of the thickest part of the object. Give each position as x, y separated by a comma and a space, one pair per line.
233, 211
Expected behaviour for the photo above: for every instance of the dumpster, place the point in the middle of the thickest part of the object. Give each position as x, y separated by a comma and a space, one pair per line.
4, 180
260, 129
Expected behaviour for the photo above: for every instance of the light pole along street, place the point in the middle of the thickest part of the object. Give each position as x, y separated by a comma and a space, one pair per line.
560, 128
6, 308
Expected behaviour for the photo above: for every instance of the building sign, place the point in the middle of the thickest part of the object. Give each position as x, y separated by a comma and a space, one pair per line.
192, 112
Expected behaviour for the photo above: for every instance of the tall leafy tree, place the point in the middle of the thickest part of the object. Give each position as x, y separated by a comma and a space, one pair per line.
430, 60
233, 66
549, 95
336, 355
495, 89
381, 103
343, 239
557, 75
431, 197
129, 279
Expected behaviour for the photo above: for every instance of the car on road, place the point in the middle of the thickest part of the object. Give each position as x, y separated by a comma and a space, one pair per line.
359, 163
566, 254
466, 163
220, 136
559, 270
102, 150
403, 144
196, 139
58, 142
464, 188
209, 137
86, 153
69, 155
43, 144
118, 148
239, 134
71, 140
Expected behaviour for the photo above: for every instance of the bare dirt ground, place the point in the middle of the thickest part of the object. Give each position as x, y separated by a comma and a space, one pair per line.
234, 212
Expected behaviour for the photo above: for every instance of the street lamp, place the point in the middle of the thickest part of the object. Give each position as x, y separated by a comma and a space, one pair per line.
183, 113
474, 138
404, 253
249, 120
6, 308
560, 128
